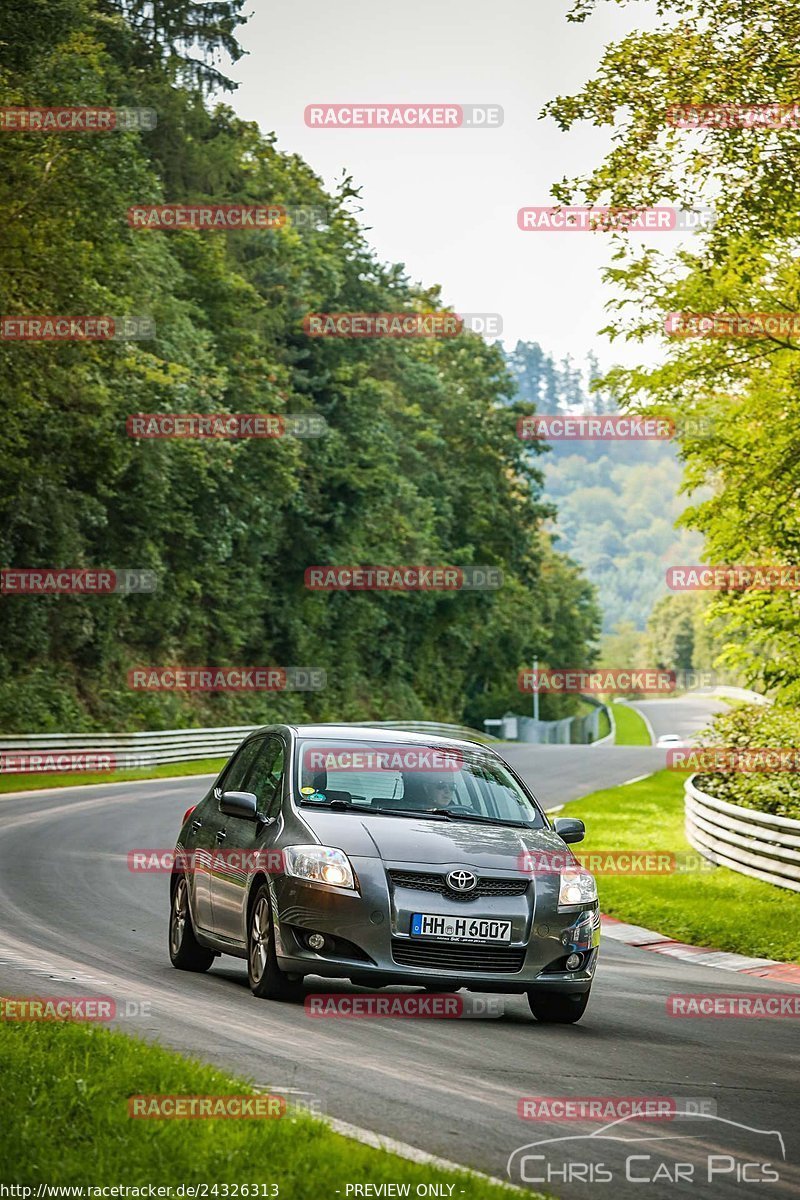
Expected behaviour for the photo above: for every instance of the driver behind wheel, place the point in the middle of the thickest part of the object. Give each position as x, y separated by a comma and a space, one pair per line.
443, 794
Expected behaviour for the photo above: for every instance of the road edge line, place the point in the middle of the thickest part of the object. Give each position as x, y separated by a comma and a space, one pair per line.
648, 726
379, 1141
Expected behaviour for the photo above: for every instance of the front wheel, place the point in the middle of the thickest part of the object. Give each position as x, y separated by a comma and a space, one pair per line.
267, 980
558, 1008
185, 951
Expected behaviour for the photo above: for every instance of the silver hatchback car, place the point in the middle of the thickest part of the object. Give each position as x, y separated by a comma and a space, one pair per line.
383, 858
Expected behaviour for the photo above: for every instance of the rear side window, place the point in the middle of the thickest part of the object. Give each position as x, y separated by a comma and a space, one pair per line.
364, 787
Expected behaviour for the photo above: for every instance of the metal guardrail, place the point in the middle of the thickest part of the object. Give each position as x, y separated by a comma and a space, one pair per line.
611, 737
156, 747
130, 750
742, 839
460, 732
575, 731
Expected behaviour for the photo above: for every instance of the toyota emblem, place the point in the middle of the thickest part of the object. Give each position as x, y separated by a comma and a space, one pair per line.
462, 881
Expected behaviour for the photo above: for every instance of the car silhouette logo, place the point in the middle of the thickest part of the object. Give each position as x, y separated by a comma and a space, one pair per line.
614, 1132
462, 881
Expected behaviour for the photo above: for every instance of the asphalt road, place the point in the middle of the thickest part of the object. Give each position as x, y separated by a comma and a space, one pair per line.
683, 716
558, 774
75, 920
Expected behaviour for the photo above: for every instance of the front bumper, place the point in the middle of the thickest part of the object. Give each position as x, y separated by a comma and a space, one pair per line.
368, 939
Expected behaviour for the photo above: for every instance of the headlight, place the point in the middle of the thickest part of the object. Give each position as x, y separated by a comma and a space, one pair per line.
577, 887
320, 864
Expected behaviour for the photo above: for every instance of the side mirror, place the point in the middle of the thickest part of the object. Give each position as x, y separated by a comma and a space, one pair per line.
238, 804
570, 829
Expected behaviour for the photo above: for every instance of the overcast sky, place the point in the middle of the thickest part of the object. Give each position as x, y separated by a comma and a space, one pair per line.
444, 201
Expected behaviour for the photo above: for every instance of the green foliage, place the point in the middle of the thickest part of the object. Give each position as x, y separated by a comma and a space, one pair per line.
707, 906
172, 33
744, 478
64, 1120
672, 627
756, 726
563, 623
36, 781
625, 646
683, 633
421, 465
630, 729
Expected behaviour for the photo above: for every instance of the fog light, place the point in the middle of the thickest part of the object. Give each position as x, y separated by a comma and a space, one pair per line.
574, 961
316, 941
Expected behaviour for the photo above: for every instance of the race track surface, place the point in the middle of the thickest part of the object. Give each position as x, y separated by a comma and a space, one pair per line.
75, 920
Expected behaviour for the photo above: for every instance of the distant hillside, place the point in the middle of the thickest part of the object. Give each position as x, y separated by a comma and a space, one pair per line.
617, 501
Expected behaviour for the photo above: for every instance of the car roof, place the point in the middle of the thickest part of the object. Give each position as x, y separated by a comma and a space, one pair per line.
373, 733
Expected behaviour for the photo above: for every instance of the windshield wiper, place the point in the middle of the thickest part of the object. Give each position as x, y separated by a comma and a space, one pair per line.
347, 806
333, 804
408, 812
462, 816
428, 814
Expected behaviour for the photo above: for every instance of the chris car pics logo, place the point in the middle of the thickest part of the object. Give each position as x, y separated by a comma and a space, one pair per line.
695, 1149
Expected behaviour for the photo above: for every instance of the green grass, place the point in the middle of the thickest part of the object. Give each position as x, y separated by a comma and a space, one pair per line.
64, 1120
717, 908
58, 779
631, 729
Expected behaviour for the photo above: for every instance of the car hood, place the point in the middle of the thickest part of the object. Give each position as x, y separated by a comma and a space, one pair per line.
431, 842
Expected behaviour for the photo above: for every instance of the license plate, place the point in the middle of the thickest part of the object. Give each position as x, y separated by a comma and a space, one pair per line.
460, 929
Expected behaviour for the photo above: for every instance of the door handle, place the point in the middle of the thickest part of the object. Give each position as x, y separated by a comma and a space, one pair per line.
197, 825
221, 835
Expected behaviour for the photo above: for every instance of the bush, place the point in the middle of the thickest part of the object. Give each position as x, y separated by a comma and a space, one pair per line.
756, 727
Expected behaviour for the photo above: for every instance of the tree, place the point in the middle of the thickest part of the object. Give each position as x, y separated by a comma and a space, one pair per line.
747, 453
421, 462
186, 36
671, 632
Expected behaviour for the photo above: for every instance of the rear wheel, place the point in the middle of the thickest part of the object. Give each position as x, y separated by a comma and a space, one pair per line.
558, 1008
185, 951
267, 980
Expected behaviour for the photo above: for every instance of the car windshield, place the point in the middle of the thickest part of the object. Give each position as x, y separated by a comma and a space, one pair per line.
409, 780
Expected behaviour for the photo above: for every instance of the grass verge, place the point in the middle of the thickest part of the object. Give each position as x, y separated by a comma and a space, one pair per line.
631, 729
64, 1119
58, 779
717, 907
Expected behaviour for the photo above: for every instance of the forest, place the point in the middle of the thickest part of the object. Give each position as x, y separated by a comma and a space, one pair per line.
416, 459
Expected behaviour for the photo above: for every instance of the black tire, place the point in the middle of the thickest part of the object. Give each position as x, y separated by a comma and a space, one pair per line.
267, 980
185, 951
558, 1008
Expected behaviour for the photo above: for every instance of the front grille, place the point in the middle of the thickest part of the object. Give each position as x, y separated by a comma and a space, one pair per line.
445, 956
422, 882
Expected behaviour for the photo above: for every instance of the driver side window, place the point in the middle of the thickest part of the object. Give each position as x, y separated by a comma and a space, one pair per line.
234, 779
265, 778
